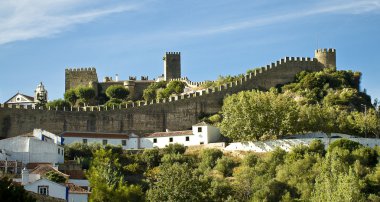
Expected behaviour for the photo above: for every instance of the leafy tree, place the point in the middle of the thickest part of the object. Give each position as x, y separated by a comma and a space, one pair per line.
150, 92
367, 122
225, 165
10, 191
344, 144
209, 157
106, 179
175, 149
117, 92
71, 96
85, 94
55, 177
59, 104
255, 115
176, 182
151, 157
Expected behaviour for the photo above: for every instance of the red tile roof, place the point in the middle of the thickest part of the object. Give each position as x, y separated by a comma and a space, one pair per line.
76, 189
43, 169
170, 133
96, 135
34, 165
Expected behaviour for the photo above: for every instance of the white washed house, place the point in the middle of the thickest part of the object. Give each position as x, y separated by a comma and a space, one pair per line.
201, 133
38, 146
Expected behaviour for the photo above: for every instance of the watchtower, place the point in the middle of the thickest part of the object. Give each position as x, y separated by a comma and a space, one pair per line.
172, 65
326, 57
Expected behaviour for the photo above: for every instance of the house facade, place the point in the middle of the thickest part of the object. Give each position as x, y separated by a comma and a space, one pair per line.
201, 133
36, 147
40, 97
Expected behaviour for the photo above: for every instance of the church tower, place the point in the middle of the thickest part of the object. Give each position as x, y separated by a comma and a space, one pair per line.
40, 95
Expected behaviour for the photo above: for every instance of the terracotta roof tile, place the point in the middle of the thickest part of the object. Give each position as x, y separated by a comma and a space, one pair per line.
170, 133
34, 165
76, 189
43, 169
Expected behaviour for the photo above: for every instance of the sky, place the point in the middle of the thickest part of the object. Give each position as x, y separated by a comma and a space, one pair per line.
39, 39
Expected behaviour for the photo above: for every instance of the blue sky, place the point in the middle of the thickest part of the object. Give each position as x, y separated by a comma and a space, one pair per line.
40, 38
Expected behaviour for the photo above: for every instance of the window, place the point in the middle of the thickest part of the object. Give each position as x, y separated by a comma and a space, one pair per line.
62, 152
84, 141
124, 142
170, 139
43, 190
187, 138
104, 142
199, 129
154, 140
201, 142
59, 151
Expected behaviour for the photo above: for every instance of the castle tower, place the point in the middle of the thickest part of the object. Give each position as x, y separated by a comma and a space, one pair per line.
40, 95
79, 77
326, 57
172, 65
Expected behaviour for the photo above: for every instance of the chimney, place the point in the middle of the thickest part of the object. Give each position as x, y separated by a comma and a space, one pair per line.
24, 176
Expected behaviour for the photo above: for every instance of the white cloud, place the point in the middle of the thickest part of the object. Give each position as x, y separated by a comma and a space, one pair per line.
28, 19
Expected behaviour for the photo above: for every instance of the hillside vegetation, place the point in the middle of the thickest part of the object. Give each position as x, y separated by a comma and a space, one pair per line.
328, 101
347, 171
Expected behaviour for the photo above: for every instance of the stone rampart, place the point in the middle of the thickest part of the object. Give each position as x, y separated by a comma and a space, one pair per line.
178, 112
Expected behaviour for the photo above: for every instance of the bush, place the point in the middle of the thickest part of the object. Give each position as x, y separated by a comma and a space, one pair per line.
225, 165
151, 157
175, 149
344, 144
71, 96
55, 177
59, 104
85, 94
209, 158
117, 92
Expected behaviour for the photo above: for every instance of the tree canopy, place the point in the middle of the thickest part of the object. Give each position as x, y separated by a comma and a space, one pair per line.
117, 92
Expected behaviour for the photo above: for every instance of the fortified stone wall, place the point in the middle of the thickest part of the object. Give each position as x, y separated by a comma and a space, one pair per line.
175, 113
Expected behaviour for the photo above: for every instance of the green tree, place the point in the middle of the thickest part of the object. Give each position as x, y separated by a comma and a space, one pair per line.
85, 94
255, 115
106, 179
368, 122
10, 191
175, 149
176, 182
150, 92
59, 104
151, 157
225, 165
209, 157
117, 92
71, 96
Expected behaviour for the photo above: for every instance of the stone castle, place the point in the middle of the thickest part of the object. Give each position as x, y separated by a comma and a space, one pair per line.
177, 112
88, 77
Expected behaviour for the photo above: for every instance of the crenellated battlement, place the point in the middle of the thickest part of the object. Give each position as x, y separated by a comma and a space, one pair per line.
81, 69
173, 53
325, 50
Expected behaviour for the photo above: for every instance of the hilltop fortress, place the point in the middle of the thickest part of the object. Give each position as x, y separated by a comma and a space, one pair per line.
178, 112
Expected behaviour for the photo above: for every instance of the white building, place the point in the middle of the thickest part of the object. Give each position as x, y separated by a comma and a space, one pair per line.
66, 191
40, 96
36, 147
201, 133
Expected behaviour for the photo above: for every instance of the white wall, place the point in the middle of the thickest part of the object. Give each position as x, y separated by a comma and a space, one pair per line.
78, 197
40, 151
116, 142
55, 189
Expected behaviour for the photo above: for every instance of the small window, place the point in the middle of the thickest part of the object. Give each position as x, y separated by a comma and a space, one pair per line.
202, 143
170, 139
104, 142
154, 140
84, 141
200, 129
43, 190
187, 138
62, 152
124, 142
59, 151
